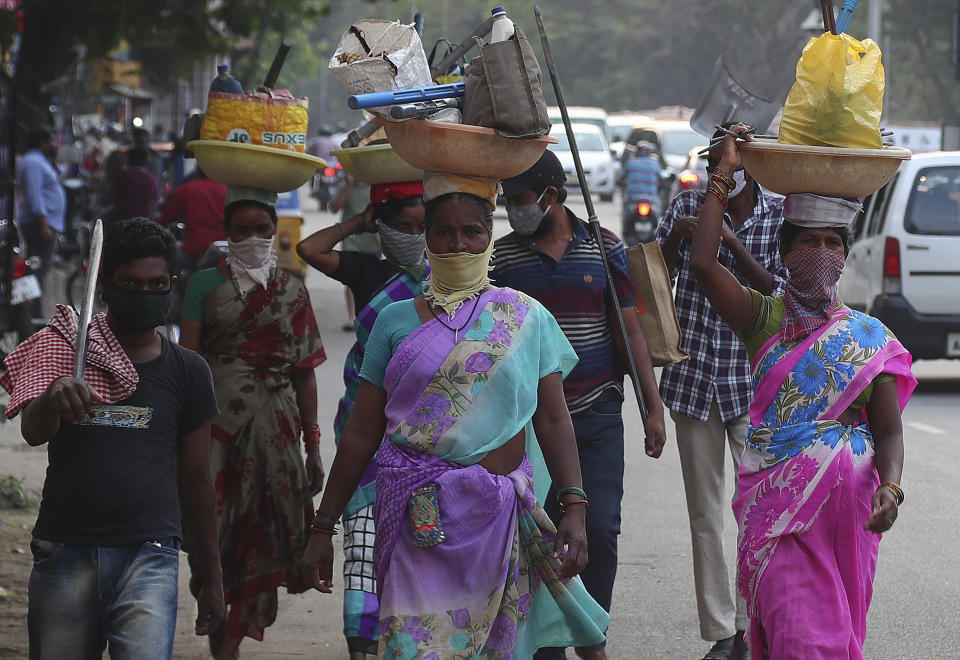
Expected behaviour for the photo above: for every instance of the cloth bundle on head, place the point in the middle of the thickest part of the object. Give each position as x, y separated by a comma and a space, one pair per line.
242, 193
809, 210
436, 184
385, 192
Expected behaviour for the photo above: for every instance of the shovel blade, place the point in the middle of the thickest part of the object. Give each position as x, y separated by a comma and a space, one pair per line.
726, 100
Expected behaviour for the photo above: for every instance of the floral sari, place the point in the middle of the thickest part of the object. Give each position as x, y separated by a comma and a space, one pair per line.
361, 620
488, 587
264, 506
806, 564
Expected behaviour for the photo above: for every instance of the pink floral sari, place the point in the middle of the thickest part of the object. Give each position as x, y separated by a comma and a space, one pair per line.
805, 484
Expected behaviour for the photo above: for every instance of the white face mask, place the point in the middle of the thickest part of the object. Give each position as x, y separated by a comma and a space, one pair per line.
740, 179
252, 259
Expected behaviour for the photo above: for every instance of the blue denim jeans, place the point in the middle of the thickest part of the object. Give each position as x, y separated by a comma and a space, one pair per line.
84, 597
599, 431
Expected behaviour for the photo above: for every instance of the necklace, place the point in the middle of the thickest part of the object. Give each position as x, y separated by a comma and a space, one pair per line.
456, 330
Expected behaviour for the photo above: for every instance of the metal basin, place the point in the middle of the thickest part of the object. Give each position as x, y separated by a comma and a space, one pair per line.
828, 171
462, 149
268, 168
375, 164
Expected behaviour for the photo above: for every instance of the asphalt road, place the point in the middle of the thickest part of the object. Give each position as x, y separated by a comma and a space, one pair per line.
914, 611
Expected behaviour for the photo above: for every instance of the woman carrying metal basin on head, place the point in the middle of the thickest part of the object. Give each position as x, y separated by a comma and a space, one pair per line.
819, 478
464, 385
255, 326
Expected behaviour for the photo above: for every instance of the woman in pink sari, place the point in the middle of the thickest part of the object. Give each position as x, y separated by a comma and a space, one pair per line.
819, 477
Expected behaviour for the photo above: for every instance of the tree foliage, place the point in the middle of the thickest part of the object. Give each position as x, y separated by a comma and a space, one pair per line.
618, 54
640, 54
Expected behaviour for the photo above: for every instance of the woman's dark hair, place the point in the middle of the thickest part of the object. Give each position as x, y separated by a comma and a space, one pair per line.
231, 208
484, 207
789, 232
390, 209
137, 238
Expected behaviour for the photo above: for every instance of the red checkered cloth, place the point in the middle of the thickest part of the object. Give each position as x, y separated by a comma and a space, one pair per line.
48, 355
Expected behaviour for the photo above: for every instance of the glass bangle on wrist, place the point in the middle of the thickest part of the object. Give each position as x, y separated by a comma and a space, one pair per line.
895, 489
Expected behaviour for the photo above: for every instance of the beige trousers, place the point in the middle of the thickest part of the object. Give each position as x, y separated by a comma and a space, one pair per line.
701, 446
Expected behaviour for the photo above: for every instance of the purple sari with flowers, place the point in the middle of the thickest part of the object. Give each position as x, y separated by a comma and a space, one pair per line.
489, 588
805, 563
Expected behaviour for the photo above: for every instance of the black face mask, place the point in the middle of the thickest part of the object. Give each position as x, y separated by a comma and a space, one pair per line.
138, 311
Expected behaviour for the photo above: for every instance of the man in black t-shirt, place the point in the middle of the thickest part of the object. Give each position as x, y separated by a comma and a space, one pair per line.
123, 458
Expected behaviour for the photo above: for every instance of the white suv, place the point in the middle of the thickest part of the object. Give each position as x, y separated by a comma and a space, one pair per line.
904, 266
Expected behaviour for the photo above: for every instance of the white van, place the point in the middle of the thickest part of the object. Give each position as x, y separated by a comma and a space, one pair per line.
904, 266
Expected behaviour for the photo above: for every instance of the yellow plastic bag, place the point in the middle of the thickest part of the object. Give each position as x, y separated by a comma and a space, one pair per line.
256, 119
838, 97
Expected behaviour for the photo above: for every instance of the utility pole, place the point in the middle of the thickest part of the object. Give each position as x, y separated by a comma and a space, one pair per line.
874, 21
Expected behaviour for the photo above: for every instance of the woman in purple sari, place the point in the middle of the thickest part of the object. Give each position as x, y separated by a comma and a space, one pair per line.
819, 478
464, 385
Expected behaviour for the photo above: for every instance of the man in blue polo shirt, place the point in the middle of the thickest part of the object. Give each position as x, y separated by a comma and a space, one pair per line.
552, 256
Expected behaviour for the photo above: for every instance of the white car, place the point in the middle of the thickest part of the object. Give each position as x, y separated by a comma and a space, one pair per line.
903, 267
595, 156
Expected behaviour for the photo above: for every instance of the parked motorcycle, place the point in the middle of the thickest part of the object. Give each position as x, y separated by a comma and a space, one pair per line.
16, 323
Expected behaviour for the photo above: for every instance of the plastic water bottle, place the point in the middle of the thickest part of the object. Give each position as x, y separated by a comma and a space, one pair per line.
502, 26
224, 82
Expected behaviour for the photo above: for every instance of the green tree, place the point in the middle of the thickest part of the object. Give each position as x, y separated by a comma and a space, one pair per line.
172, 32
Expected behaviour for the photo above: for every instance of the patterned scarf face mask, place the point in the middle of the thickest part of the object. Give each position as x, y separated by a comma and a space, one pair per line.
399, 248
811, 291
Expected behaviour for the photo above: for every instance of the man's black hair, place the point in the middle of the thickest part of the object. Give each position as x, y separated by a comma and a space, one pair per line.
37, 136
137, 238
483, 206
233, 207
390, 209
790, 231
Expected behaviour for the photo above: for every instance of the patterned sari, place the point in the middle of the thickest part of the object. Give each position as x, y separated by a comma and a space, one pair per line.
486, 585
361, 610
805, 484
264, 506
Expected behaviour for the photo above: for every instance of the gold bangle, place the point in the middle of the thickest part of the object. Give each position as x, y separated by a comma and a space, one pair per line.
893, 488
724, 177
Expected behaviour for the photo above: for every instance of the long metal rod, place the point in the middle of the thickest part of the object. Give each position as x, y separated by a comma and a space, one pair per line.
89, 293
621, 327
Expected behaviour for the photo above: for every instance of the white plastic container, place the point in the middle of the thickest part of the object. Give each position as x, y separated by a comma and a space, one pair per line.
502, 26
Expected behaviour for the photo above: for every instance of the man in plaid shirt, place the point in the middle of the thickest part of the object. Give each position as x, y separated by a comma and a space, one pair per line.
709, 394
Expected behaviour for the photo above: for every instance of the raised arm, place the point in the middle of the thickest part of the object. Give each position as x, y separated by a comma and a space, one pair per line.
731, 300
317, 249
759, 277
